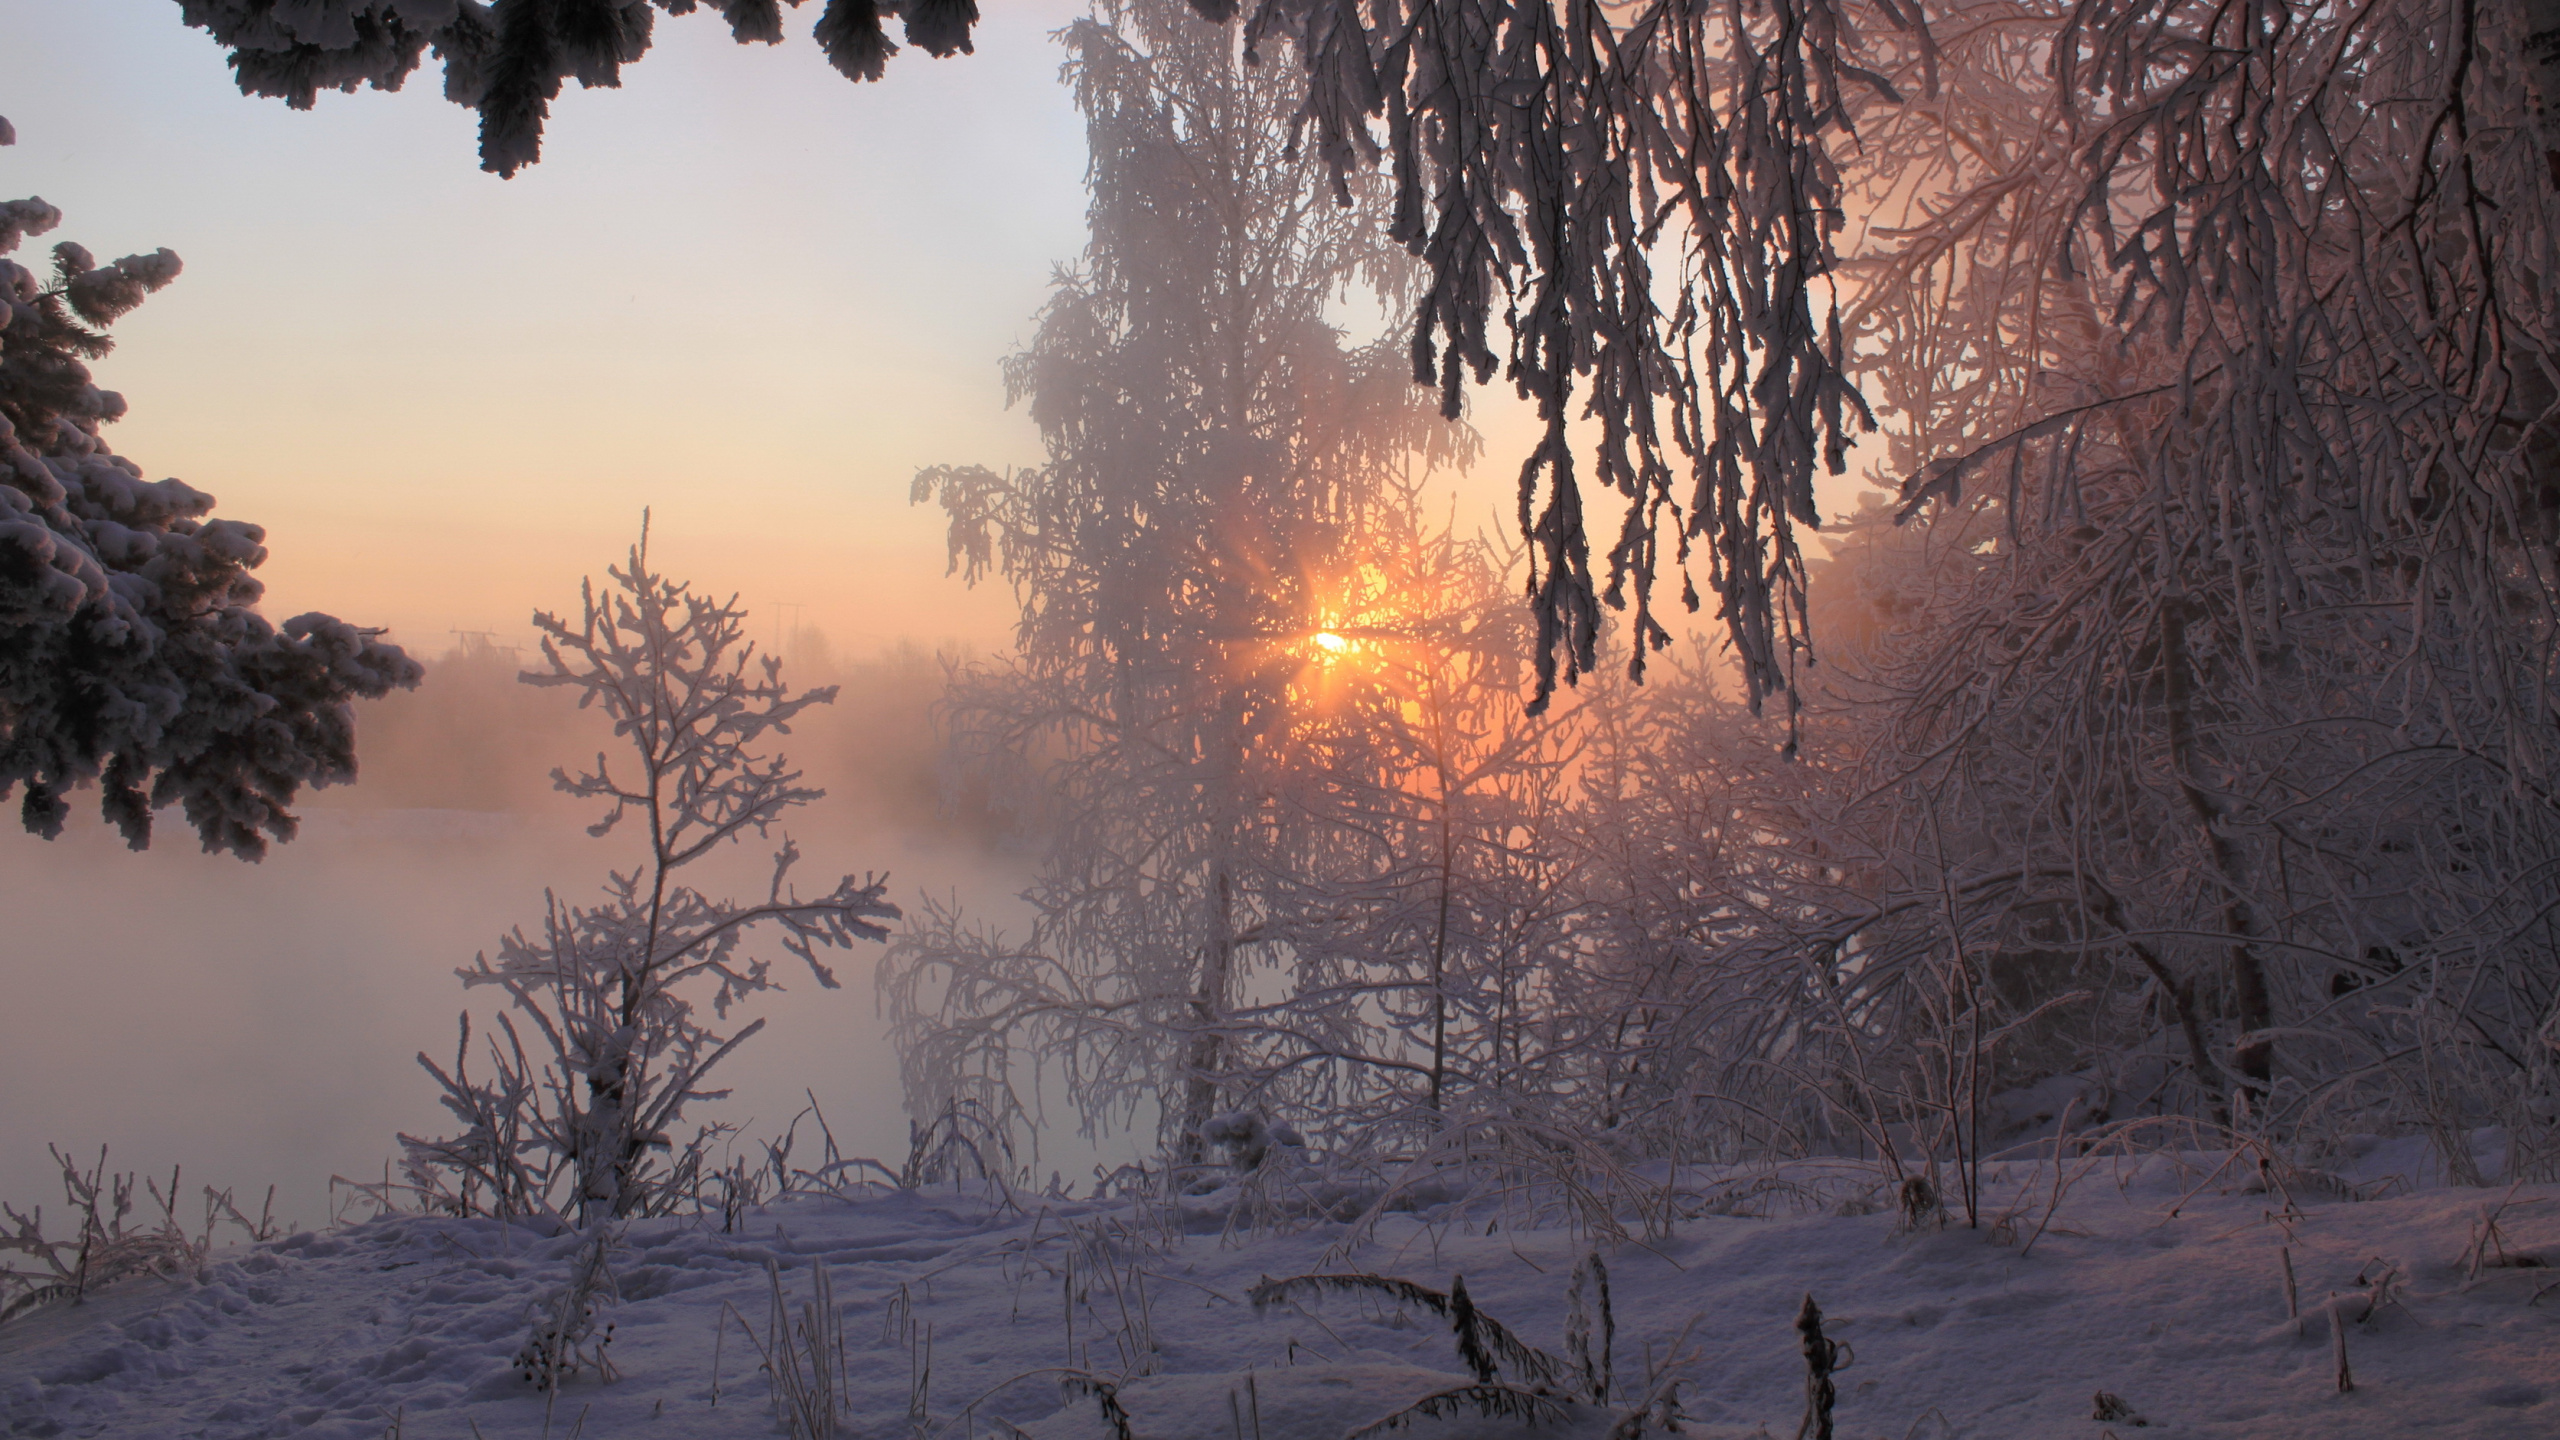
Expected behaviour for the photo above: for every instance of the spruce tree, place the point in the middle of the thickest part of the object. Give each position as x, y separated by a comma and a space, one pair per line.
132, 653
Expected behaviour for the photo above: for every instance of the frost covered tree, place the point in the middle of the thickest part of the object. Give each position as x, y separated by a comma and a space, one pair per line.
1424, 945
2220, 340
1215, 454
132, 654
581, 1122
2176, 751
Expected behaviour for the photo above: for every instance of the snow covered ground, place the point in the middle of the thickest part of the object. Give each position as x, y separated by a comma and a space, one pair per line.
2159, 1281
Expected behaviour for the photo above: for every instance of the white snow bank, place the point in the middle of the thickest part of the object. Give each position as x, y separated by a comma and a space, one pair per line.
2142, 1286
1309, 1401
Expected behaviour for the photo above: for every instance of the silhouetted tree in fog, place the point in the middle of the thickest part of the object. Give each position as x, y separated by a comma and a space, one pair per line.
581, 1122
1215, 456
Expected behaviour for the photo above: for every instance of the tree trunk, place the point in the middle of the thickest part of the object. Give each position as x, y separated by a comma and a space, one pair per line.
1208, 1007
2542, 76
1440, 924
2253, 1057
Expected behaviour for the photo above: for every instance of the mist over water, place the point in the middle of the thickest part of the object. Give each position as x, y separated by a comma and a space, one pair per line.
259, 1023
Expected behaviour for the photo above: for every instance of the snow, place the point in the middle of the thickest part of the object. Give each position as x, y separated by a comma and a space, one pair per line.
2159, 1281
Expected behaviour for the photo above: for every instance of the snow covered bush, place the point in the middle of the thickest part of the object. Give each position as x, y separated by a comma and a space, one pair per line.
132, 654
580, 1124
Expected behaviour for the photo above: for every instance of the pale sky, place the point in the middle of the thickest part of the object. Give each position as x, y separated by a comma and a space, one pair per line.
740, 290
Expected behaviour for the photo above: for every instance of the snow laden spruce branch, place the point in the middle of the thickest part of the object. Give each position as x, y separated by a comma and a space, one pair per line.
132, 654
581, 1122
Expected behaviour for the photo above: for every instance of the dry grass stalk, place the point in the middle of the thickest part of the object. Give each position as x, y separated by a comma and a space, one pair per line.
1105, 1395
105, 1249
1822, 1358
566, 1336
804, 1356
2488, 1248
1484, 1343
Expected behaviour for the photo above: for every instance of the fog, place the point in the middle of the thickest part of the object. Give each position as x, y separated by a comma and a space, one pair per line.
438, 436
1495, 637
258, 1024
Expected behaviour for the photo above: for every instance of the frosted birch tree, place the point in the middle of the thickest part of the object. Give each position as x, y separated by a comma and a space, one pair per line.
1215, 452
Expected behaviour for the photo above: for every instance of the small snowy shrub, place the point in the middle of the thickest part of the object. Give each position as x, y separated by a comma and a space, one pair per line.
581, 1124
103, 1249
569, 1332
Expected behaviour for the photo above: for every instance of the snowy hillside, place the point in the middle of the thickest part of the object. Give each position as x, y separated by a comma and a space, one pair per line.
2160, 1281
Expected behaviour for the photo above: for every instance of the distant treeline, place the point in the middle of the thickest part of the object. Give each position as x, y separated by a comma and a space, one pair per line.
471, 737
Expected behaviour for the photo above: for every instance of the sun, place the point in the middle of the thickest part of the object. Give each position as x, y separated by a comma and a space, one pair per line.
1332, 644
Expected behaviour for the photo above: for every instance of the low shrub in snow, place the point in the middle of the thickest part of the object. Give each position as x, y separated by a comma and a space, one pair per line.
102, 1248
602, 1047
